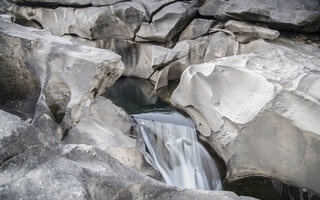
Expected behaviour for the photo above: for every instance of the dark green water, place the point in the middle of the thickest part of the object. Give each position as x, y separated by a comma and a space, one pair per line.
136, 96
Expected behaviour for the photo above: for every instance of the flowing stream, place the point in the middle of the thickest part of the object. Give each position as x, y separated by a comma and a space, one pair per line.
180, 158
170, 138
171, 144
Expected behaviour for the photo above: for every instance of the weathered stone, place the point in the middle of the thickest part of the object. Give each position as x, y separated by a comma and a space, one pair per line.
49, 58
68, 2
80, 40
140, 59
131, 157
104, 127
296, 15
203, 49
220, 45
17, 136
117, 21
245, 32
154, 6
196, 28
167, 22
82, 172
259, 111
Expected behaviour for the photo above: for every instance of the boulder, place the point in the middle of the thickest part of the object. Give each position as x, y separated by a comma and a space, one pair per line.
196, 51
80, 40
154, 6
17, 136
259, 112
121, 20
245, 32
298, 15
105, 126
140, 59
34, 166
55, 65
196, 28
68, 2
168, 22
133, 158
82, 172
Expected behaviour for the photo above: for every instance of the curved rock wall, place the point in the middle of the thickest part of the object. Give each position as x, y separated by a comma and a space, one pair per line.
258, 112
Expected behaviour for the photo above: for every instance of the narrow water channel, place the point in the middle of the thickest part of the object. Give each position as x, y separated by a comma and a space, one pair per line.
173, 147
170, 137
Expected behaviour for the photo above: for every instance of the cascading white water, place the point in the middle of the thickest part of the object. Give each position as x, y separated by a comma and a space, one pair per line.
180, 158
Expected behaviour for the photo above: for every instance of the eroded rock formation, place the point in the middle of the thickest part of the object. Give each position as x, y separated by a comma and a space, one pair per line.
259, 111
249, 80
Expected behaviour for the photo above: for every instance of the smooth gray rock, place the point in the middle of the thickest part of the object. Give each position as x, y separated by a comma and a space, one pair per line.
80, 40
296, 15
117, 21
82, 172
167, 22
259, 111
55, 61
196, 28
196, 51
33, 168
140, 59
133, 158
68, 2
245, 32
105, 126
17, 136
154, 6
143, 59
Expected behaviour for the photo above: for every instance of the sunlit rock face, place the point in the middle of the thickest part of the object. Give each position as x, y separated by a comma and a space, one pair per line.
257, 111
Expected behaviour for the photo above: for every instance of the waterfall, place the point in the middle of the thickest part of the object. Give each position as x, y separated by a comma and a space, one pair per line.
180, 158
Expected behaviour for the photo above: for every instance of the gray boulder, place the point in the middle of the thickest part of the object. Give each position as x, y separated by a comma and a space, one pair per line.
196, 28
196, 51
68, 2
17, 136
140, 59
245, 32
117, 21
105, 126
133, 158
259, 111
33, 166
296, 15
154, 6
167, 22
56, 65
83, 172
